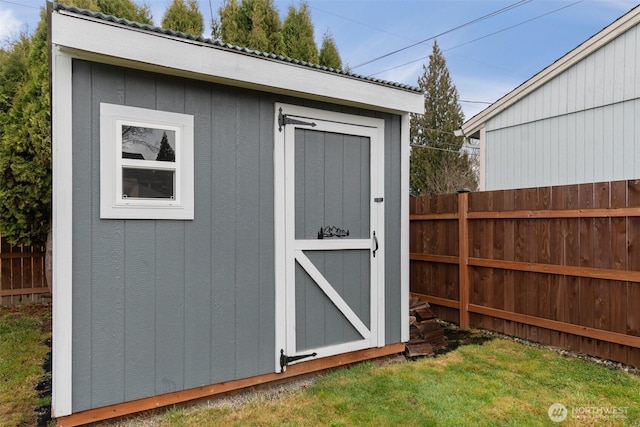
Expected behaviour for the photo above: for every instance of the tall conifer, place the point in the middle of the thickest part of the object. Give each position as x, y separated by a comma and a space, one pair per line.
252, 23
329, 56
298, 35
438, 163
25, 127
184, 16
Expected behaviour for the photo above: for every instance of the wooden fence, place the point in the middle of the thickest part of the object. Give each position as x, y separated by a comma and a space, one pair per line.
22, 274
555, 265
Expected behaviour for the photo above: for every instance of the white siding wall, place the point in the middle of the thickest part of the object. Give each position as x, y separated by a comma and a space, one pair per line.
581, 126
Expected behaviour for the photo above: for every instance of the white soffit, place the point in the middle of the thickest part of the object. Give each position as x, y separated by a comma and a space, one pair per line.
609, 33
103, 41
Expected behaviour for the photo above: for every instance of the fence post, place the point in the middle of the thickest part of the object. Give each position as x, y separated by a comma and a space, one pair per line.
463, 258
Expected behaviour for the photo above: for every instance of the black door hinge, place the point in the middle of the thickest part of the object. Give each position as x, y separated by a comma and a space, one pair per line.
283, 120
285, 360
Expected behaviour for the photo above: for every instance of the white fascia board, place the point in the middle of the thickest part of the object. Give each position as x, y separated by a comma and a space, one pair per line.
62, 228
113, 43
611, 32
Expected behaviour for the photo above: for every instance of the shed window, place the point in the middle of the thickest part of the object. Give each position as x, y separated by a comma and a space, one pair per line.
146, 163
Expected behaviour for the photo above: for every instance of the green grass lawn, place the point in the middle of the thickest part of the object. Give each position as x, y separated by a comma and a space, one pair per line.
23, 331
500, 383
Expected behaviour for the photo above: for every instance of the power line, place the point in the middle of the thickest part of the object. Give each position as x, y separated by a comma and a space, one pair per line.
443, 149
19, 4
359, 23
482, 18
516, 25
482, 37
475, 102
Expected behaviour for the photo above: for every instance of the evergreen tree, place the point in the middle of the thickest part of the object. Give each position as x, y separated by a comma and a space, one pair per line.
13, 70
166, 153
438, 166
254, 24
216, 32
126, 9
297, 32
25, 151
25, 127
83, 4
184, 16
329, 56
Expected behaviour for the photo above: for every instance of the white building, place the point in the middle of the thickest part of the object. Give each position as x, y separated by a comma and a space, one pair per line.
576, 121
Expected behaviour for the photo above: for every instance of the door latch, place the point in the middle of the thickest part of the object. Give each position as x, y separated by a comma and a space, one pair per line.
285, 360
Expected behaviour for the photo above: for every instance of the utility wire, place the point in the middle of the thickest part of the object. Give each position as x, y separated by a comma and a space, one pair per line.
466, 24
475, 102
19, 4
482, 37
443, 149
515, 25
359, 23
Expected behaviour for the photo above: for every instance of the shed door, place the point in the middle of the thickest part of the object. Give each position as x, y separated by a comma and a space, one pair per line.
330, 291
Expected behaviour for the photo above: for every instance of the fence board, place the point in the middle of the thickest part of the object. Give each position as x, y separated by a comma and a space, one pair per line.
586, 294
545, 304
497, 202
572, 307
509, 254
558, 230
602, 259
22, 278
558, 265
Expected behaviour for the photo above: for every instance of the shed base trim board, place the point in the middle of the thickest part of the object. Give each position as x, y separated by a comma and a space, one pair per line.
149, 403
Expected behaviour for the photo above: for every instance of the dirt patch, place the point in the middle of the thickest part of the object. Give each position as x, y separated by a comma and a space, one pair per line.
457, 337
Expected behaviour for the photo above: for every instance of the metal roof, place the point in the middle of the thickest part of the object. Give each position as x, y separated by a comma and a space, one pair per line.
227, 46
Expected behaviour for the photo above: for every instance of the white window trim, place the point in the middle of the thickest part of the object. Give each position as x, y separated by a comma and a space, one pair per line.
112, 204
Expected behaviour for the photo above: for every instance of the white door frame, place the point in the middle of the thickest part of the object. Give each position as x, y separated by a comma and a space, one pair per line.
288, 250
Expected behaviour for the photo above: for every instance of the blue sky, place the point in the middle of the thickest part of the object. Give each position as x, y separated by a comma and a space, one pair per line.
528, 37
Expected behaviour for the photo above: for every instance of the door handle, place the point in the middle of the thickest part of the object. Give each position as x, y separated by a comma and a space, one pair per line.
375, 240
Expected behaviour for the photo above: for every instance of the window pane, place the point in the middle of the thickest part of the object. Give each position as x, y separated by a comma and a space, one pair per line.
142, 143
148, 184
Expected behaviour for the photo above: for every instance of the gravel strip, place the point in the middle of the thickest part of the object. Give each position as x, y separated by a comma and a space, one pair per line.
232, 401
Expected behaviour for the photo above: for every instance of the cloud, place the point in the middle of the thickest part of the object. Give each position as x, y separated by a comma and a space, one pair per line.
9, 25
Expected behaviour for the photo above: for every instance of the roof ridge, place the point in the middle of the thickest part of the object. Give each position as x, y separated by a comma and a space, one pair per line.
228, 46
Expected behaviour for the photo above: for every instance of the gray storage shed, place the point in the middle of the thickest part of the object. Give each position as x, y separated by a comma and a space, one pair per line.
222, 217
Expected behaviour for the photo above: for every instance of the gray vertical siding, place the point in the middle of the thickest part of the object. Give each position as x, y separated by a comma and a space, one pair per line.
197, 278
581, 126
140, 294
83, 216
160, 306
